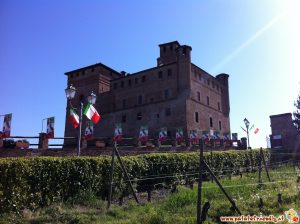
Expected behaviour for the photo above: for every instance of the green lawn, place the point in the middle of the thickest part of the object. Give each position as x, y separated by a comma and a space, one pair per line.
178, 207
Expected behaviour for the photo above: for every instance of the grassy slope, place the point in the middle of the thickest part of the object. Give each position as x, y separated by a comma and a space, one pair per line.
179, 207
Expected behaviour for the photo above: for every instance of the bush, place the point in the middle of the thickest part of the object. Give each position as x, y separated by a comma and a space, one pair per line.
37, 182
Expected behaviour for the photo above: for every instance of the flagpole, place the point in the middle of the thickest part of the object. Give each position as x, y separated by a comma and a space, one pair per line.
79, 130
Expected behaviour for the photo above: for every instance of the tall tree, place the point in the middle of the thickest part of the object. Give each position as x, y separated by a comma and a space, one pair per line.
297, 114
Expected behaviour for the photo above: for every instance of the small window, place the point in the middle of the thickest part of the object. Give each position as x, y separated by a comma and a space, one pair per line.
115, 85
123, 118
171, 47
139, 116
129, 82
164, 48
196, 117
77, 74
157, 115
208, 82
93, 69
219, 108
122, 84
199, 77
168, 111
136, 80
151, 100
210, 122
82, 72
220, 125
160, 74
184, 51
207, 100
166, 93
140, 99
124, 103
169, 72
217, 87
71, 75
198, 96
143, 78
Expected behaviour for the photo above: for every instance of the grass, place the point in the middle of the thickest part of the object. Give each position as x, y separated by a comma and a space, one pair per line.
179, 207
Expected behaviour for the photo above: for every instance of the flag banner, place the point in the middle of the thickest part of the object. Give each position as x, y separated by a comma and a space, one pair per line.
206, 137
256, 130
91, 113
193, 136
50, 127
162, 134
217, 138
89, 131
74, 118
6, 126
179, 135
234, 136
118, 133
226, 136
143, 134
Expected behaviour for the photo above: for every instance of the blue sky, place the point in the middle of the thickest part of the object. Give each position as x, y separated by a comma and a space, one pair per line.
256, 42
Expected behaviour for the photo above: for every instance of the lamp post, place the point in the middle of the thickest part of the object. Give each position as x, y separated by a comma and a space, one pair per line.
247, 123
70, 94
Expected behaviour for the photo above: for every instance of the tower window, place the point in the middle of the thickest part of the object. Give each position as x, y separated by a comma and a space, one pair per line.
160, 74
151, 100
166, 93
198, 96
171, 47
136, 80
123, 118
164, 48
139, 116
210, 122
129, 82
157, 115
124, 103
168, 111
143, 78
196, 117
207, 100
140, 99
208, 82
169, 72
184, 51
220, 125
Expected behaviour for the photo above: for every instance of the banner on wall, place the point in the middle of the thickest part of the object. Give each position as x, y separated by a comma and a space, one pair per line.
143, 134
89, 130
234, 136
179, 135
162, 134
50, 127
118, 133
6, 126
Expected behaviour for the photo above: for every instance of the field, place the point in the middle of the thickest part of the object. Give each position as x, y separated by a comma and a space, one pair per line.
179, 207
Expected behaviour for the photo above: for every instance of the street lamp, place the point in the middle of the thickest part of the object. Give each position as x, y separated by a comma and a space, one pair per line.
70, 94
247, 123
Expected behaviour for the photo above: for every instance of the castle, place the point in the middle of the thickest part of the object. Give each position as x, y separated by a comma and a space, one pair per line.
174, 94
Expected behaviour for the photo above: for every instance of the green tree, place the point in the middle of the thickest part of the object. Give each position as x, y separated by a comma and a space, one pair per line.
297, 114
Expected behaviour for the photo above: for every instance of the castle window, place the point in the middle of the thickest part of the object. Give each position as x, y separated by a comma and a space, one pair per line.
168, 111
82, 72
171, 47
157, 115
129, 82
160, 74
213, 84
151, 100
196, 117
122, 84
219, 108
199, 77
124, 103
164, 48
123, 118
198, 96
143, 78
169, 72
71, 75
93, 69
136, 80
184, 51
77, 74
139, 116
220, 125
217, 87
166, 93
210, 122
207, 100
115, 85
140, 99
208, 82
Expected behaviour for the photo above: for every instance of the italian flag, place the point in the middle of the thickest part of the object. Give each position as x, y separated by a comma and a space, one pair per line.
91, 113
74, 118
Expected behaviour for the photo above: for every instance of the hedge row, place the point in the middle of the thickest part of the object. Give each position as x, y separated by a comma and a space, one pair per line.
36, 182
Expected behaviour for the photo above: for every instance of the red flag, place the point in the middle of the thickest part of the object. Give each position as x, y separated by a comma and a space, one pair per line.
256, 130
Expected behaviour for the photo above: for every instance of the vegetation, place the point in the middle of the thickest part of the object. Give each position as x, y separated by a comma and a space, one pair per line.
31, 183
297, 114
179, 207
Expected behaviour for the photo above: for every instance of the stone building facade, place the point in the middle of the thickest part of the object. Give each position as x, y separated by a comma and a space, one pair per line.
176, 93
